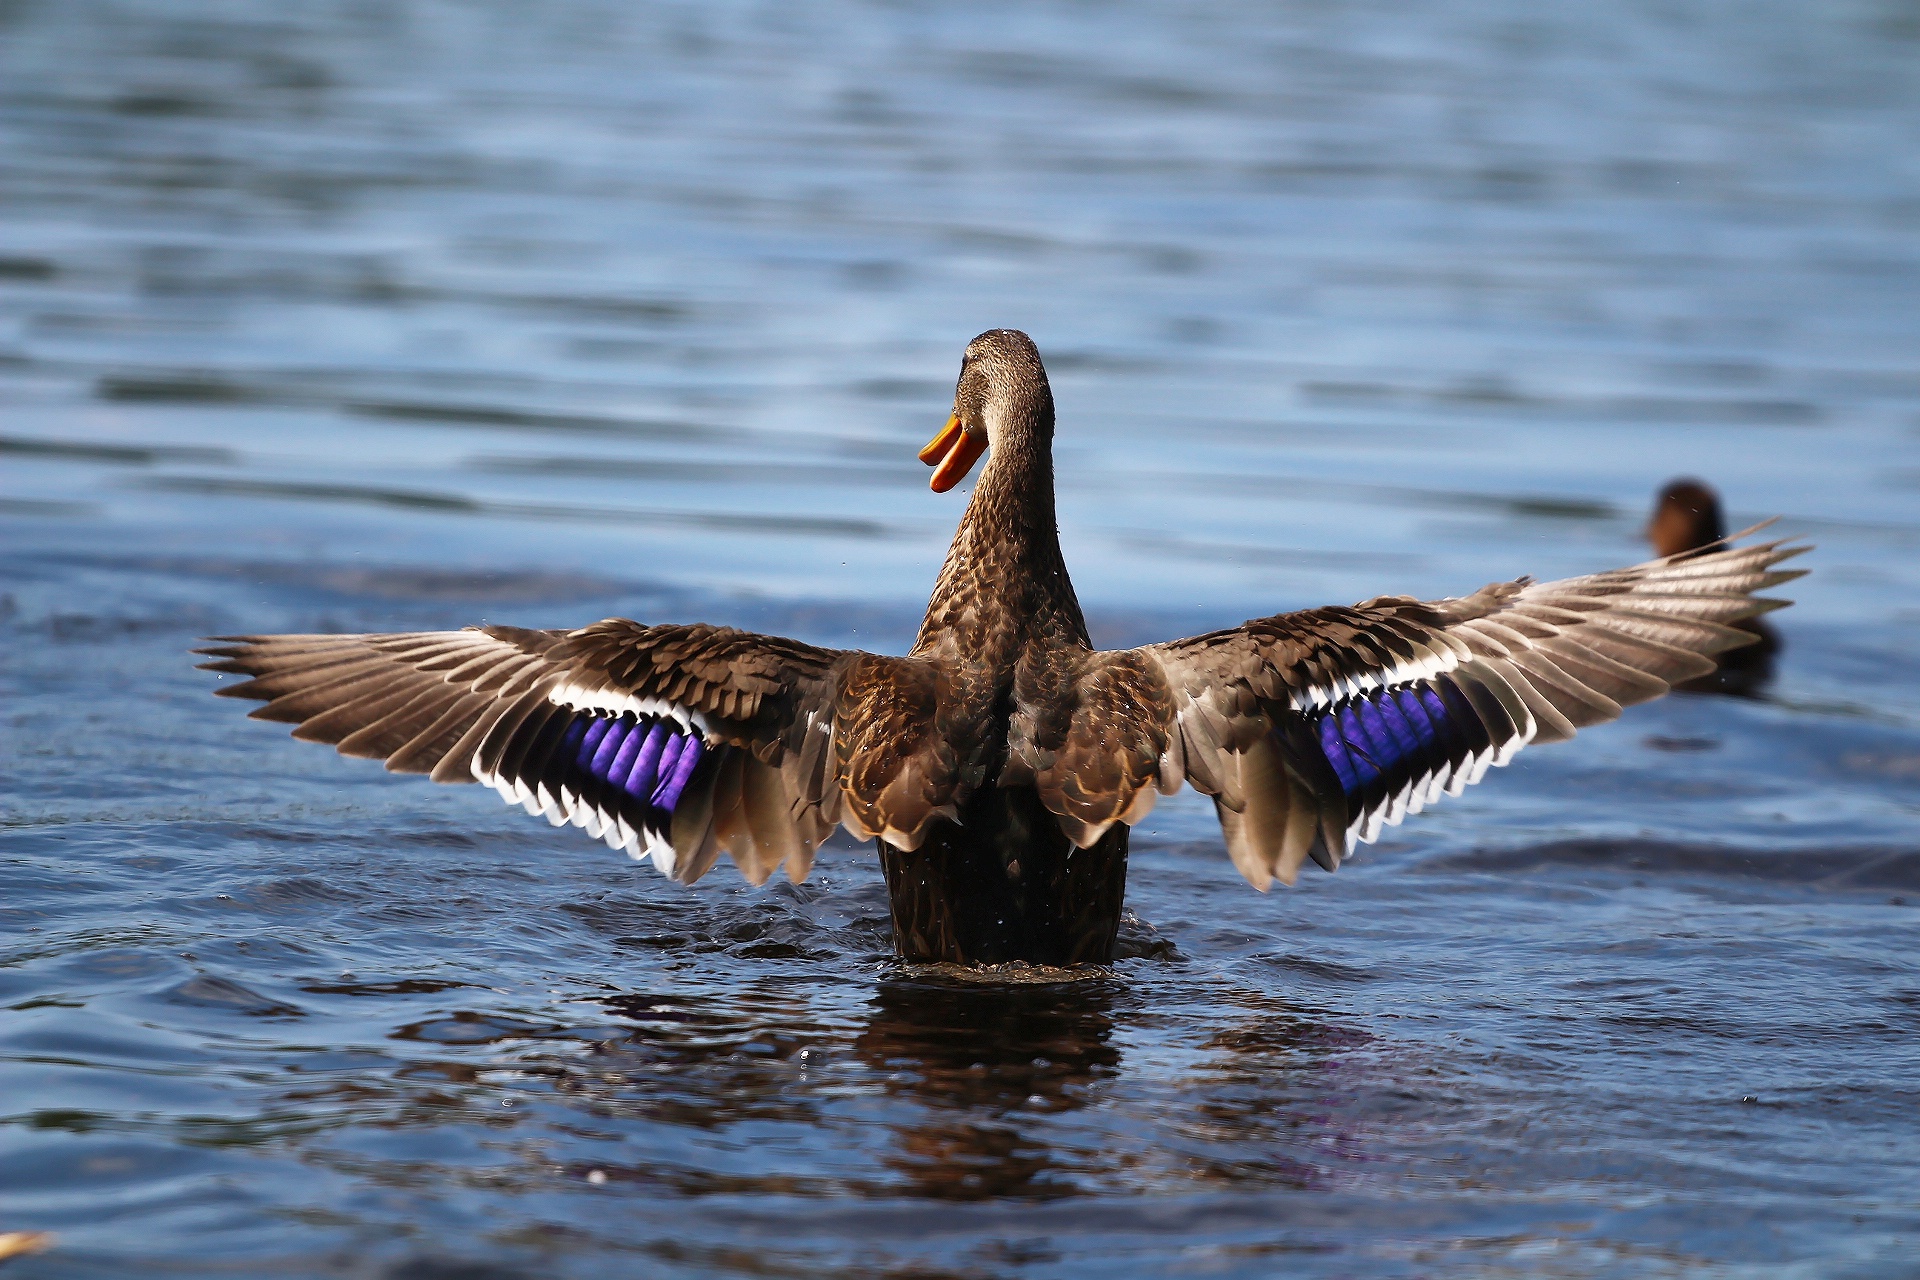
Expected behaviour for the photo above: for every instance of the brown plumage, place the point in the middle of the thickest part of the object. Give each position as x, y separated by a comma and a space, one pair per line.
1001, 762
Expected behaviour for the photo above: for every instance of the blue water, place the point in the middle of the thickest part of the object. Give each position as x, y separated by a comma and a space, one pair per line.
396, 315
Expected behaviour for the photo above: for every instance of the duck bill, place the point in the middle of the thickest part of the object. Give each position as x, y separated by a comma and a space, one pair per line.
953, 453
959, 460
938, 447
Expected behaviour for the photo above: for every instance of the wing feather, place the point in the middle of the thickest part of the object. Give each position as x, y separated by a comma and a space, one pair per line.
1315, 729
726, 740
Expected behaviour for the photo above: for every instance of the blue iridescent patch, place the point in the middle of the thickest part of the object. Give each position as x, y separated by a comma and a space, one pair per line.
1366, 738
649, 759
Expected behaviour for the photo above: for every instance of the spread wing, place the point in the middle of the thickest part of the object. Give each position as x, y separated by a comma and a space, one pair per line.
670, 742
1312, 730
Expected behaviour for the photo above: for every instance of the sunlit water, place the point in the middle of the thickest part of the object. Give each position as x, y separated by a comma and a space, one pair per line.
400, 315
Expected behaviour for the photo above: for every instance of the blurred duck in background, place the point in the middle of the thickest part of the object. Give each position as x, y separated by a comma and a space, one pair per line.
1686, 517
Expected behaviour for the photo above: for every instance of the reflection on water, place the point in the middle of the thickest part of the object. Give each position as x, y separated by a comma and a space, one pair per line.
395, 315
981, 1059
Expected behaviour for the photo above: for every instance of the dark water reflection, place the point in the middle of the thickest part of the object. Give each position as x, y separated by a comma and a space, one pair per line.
980, 1059
403, 315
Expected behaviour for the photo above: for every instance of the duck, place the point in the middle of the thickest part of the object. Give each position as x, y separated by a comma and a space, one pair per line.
999, 765
1686, 519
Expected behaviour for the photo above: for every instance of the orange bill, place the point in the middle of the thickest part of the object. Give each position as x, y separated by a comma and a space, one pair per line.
937, 447
959, 460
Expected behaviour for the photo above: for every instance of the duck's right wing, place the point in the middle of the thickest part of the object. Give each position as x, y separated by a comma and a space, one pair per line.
1312, 730
670, 742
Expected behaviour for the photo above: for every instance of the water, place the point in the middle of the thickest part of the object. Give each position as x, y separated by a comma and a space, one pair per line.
399, 315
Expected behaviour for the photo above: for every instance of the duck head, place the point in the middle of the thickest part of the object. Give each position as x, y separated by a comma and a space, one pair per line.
1002, 394
1686, 515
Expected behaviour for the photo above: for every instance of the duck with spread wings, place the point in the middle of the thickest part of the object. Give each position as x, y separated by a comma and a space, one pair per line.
1000, 763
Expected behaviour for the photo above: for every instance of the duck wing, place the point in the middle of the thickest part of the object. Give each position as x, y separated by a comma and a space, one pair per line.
670, 742
1314, 729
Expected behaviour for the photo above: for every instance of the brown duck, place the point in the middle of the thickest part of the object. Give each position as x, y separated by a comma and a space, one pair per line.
1000, 764
1686, 519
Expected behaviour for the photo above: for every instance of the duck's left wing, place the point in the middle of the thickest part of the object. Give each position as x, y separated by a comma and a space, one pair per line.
1314, 729
674, 742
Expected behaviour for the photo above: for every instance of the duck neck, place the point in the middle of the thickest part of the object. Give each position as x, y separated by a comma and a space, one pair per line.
1005, 584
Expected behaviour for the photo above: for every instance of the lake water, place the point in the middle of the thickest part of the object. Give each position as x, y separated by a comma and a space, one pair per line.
385, 315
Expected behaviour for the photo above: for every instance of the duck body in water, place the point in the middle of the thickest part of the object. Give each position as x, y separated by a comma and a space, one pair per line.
1686, 519
1001, 762
1001, 878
